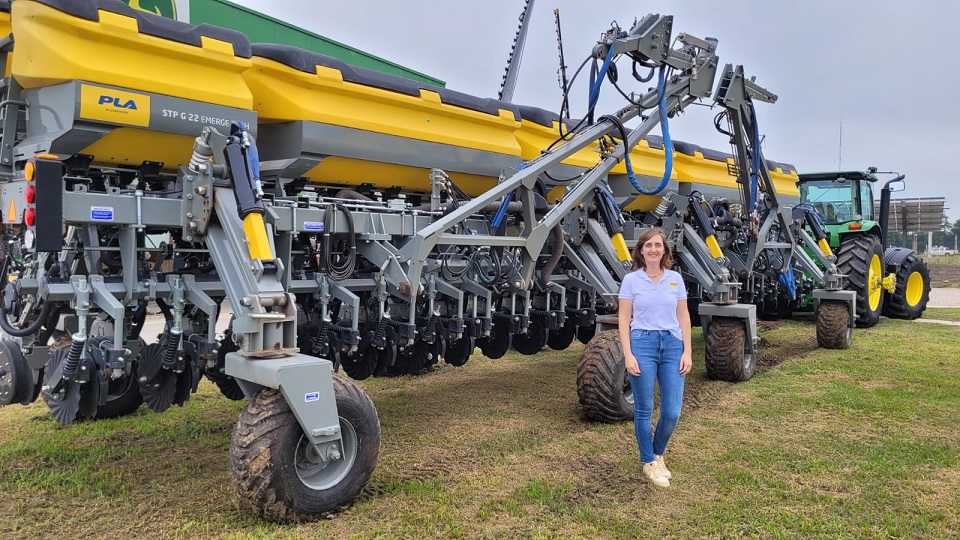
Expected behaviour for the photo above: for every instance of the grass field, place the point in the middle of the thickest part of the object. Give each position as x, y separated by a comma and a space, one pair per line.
943, 259
859, 443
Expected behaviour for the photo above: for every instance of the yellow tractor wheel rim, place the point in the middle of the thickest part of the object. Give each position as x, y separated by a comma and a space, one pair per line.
874, 286
914, 291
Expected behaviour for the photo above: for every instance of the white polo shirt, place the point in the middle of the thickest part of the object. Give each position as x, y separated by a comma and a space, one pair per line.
654, 306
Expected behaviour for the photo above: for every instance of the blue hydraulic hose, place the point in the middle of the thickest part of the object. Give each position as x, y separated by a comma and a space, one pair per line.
595, 84
497, 219
667, 143
502, 211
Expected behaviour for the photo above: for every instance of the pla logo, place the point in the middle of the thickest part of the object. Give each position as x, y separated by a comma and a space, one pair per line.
118, 102
164, 8
114, 105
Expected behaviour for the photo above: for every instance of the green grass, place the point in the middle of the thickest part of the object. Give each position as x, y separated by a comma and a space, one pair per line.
941, 314
943, 259
858, 443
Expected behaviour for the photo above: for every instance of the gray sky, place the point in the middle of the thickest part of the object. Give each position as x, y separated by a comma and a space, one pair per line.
885, 70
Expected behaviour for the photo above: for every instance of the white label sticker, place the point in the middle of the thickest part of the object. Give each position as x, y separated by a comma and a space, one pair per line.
313, 226
312, 396
101, 213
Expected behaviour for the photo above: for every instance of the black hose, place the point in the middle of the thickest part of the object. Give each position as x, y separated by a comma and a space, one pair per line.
555, 256
338, 271
352, 195
32, 329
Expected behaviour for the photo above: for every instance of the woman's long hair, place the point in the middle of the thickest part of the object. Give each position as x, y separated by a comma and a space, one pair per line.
666, 260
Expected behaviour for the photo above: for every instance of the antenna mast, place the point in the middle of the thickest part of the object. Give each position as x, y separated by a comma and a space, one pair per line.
562, 73
509, 82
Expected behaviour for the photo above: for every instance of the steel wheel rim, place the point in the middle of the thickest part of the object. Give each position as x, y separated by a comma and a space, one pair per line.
327, 474
914, 289
627, 389
873, 283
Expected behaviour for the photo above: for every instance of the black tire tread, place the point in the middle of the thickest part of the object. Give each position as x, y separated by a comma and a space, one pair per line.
853, 260
832, 331
600, 376
898, 307
258, 465
724, 351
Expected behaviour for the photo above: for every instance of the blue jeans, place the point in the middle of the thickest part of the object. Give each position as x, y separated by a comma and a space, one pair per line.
658, 355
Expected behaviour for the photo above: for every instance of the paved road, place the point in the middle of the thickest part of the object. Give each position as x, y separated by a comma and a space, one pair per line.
944, 298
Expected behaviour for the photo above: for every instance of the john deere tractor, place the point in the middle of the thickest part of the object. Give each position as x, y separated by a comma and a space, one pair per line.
892, 281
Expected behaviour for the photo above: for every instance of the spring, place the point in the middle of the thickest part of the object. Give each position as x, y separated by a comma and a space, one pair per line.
380, 336
202, 152
73, 356
170, 349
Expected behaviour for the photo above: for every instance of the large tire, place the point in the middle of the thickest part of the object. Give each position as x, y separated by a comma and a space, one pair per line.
909, 299
602, 383
725, 355
267, 456
861, 259
833, 330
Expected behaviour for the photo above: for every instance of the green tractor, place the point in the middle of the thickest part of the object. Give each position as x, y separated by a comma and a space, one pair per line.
892, 281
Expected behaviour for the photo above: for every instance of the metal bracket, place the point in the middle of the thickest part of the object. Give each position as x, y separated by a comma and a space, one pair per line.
848, 297
746, 312
306, 383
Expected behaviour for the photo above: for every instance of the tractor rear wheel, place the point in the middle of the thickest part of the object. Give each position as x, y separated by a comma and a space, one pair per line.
269, 456
602, 382
833, 330
861, 259
725, 356
909, 299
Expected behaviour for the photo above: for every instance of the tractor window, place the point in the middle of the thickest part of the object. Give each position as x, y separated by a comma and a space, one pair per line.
866, 200
832, 199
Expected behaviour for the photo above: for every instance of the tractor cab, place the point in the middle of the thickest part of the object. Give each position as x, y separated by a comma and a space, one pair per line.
841, 198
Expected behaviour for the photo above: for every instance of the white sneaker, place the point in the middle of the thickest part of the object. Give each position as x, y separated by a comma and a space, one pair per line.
653, 472
663, 468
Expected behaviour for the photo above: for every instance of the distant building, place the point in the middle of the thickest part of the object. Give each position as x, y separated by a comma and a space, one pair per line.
260, 28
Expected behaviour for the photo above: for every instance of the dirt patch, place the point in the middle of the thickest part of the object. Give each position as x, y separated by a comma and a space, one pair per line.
598, 479
776, 353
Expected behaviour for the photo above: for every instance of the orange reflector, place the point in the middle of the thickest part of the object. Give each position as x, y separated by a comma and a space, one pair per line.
29, 171
30, 217
31, 194
855, 226
47, 156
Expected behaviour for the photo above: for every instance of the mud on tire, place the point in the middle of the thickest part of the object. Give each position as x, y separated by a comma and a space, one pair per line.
602, 383
267, 456
833, 332
725, 355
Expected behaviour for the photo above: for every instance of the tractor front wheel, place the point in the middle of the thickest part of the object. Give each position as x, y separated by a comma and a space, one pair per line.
861, 259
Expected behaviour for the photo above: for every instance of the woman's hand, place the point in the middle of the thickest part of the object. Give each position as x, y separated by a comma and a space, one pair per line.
686, 362
633, 367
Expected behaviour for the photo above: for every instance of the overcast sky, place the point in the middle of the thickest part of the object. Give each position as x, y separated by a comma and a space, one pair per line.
886, 71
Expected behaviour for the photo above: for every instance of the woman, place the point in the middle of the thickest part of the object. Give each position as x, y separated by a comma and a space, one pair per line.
655, 337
